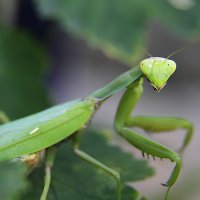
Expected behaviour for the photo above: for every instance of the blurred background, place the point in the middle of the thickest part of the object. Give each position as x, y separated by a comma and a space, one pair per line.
52, 51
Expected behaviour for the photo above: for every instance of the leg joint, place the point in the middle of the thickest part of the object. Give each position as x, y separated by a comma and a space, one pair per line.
115, 174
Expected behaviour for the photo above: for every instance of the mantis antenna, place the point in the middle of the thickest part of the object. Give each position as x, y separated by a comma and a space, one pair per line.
177, 51
148, 54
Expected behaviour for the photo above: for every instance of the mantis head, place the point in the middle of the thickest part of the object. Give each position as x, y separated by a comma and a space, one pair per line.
157, 70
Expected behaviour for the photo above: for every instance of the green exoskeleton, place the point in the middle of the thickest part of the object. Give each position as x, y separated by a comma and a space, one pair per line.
26, 138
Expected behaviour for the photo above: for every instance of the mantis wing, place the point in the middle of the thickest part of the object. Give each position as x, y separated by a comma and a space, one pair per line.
39, 131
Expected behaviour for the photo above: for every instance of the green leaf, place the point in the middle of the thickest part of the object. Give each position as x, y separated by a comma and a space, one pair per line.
130, 168
74, 179
22, 64
185, 23
115, 27
119, 27
13, 180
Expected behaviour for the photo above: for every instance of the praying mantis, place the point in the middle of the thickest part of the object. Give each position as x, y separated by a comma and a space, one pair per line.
26, 138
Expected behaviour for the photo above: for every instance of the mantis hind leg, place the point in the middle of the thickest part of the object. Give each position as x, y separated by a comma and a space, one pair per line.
123, 121
92, 161
50, 157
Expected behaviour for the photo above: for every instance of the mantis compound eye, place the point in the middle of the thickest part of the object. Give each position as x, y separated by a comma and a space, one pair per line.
171, 67
157, 70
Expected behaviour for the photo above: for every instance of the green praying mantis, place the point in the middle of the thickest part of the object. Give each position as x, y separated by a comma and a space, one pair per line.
26, 138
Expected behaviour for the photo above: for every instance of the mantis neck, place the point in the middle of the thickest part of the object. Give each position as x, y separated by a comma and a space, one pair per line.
117, 84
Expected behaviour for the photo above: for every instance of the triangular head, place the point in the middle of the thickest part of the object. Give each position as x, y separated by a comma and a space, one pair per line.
158, 70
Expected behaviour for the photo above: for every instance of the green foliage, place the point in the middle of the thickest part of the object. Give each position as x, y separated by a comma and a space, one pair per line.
115, 27
185, 23
119, 27
74, 179
22, 62
13, 180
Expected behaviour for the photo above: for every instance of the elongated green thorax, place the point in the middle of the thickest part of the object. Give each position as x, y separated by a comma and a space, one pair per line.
158, 70
118, 84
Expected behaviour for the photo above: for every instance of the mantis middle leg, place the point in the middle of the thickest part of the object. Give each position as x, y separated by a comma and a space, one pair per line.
123, 121
84, 156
